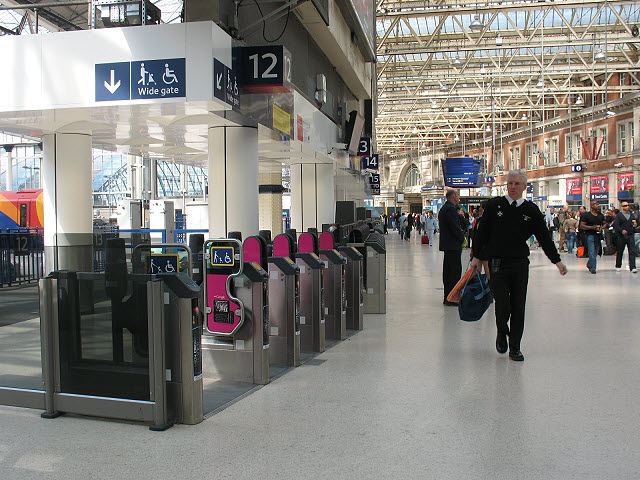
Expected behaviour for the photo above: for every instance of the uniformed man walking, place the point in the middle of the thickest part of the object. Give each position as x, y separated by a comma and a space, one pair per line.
501, 240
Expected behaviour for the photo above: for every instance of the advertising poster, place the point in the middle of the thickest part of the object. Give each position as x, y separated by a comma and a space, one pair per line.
626, 187
574, 189
600, 187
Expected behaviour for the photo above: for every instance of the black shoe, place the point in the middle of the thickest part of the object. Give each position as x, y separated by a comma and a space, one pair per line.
450, 304
516, 355
593, 272
501, 343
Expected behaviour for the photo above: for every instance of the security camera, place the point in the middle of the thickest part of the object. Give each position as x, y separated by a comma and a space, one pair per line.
618, 165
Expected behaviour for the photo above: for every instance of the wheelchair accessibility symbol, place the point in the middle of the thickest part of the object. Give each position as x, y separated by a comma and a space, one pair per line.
163, 263
222, 257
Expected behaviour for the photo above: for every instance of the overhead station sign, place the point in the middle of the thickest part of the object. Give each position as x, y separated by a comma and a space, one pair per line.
141, 80
461, 172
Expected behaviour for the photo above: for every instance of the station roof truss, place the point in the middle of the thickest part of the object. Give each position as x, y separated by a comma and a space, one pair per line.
448, 68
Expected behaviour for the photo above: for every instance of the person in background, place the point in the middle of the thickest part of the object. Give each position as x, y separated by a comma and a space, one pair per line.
636, 230
423, 221
402, 225
431, 225
591, 223
501, 240
451, 239
624, 225
570, 226
410, 223
563, 214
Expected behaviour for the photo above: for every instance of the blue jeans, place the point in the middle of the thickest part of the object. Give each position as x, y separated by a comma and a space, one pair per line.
571, 241
592, 251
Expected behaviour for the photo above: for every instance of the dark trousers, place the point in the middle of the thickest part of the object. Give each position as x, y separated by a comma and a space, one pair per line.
509, 280
451, 270
629, 242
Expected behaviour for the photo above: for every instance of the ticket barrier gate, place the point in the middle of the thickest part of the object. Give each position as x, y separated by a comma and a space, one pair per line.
134, 355
335, 294
284, 304
354, 287
375, 299
235, 345
312, 320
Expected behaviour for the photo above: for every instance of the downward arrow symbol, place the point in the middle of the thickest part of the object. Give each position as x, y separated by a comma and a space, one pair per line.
219, 82
111, 86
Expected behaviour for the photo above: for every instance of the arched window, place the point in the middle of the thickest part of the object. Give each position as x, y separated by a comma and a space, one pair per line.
412, 178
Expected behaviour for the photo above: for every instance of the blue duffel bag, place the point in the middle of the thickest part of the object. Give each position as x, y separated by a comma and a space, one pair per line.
475, 298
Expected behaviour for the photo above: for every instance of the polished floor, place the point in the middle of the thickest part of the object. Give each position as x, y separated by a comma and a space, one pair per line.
417, 394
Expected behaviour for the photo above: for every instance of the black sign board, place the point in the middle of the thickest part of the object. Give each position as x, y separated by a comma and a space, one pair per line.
264, 68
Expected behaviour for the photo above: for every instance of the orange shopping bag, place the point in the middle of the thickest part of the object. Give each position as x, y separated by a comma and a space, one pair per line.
454, 295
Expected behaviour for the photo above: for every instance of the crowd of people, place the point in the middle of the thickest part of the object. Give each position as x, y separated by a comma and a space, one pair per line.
497, 233
594, 233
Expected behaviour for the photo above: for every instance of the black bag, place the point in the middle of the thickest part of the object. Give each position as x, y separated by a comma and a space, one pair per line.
609, 250
475, 298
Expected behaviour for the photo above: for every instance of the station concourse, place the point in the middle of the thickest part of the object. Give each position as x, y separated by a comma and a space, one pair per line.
416, 394
194, 276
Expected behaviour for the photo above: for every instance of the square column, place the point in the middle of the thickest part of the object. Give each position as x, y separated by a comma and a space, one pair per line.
271, 202
233, 181
68, 204
312, 195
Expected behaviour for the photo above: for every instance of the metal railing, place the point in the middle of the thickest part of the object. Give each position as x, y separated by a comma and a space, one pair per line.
21, 256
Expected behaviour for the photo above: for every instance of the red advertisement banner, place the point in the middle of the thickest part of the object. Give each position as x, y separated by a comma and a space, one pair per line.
600, 184
625, 182
574, 186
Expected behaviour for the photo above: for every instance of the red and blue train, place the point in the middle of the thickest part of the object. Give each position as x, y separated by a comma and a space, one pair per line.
20, 210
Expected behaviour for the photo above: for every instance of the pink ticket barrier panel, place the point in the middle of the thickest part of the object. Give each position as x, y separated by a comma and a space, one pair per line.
312, 321
284, 304
335, 294
233, 346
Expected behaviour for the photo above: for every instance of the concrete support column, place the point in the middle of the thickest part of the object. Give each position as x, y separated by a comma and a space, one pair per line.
136, 176
233, 181
312, 196
271, 202
68, 226
9, 174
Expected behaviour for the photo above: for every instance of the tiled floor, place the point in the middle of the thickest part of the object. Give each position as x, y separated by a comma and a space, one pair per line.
418, 394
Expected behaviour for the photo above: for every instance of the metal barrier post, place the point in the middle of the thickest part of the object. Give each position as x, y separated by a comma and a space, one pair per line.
157, 360
48, 326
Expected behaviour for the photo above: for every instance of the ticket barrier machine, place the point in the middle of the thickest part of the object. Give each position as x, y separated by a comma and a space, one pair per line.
335, 294
375, 299
354, 287
234, 345
312, 320
284, 303
135, 355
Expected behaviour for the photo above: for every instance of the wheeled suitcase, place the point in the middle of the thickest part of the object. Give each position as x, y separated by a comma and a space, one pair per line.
425, 239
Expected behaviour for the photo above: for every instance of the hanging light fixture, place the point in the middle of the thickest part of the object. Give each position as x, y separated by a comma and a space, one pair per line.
456, 138
444, 88
600, 55
541, 82
524, 116
415, 130
578, 100
457, 62
476, 24
488, 129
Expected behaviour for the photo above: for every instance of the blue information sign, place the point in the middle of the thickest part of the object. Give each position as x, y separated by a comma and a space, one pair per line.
461, 172
112, 81
163, 263
158, 78
222, 257
145, 79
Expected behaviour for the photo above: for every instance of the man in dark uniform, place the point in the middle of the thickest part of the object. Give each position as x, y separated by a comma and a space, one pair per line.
501, 240
451, 239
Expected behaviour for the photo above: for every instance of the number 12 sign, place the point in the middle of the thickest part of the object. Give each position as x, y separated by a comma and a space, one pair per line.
264, 69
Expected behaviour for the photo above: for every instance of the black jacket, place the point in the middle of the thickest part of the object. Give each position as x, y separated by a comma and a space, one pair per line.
504, 231
451, 236
621, 223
